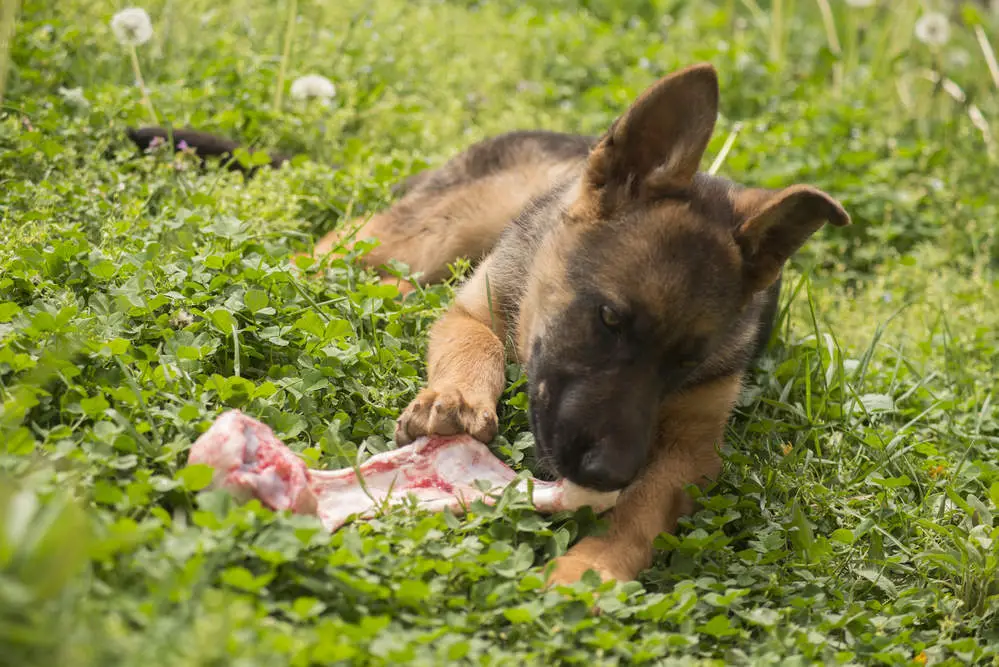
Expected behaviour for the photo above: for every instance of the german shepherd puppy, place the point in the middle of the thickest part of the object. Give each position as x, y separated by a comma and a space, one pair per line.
635, 290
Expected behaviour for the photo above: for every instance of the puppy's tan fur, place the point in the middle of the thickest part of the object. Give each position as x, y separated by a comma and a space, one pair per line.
635, 291
552, 220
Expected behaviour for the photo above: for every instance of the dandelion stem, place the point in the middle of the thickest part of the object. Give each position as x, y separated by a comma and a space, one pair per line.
990, 55
289, 33
148, 103
235, 351
902, 28
8, 18
880, 51
758, 14
776, 30
829, 23
851, 43
726, 147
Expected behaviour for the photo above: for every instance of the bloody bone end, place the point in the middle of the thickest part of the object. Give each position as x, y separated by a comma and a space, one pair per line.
250, 462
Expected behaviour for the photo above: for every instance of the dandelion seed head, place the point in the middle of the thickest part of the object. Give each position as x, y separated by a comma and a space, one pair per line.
132, 26
933, 29
313, 85
959, 58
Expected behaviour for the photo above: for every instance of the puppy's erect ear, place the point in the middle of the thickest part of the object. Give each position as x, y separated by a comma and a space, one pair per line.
658, 143
777, 224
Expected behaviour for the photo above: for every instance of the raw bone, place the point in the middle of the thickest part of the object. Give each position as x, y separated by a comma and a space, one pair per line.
250, 462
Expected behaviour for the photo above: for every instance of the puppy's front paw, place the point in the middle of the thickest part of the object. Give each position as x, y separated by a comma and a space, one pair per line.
446, 411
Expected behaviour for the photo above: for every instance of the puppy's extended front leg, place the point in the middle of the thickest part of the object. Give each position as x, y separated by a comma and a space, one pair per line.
690, 428
465, 371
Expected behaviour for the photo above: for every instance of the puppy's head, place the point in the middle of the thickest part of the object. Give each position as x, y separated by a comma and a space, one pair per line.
646, 279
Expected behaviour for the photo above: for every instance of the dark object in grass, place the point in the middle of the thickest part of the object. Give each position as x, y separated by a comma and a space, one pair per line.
438, 472
203, 144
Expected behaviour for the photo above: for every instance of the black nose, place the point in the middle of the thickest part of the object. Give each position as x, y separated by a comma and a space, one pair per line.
600, 470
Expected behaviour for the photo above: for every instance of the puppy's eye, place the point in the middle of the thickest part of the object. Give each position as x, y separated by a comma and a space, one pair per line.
610, 317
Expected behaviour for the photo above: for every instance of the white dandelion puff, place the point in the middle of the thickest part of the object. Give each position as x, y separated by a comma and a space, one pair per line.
313, 85
860, 3
132, 26
959, 58
933, 29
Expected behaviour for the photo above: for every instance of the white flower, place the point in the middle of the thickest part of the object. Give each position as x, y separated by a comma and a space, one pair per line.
959, 58
860, 3
525, 86
933, 29
132, 27
181, 319
74, 97
313, 85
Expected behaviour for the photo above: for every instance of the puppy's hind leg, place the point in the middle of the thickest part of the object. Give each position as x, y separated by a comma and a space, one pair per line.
390, 246
429, 230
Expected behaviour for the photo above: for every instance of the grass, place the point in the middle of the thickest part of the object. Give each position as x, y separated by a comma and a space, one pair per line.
857, 518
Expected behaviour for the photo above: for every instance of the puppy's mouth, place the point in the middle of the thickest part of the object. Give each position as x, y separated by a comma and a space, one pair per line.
574, 451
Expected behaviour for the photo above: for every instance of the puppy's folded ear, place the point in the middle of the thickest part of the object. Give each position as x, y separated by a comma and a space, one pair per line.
658, 143
777, 224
